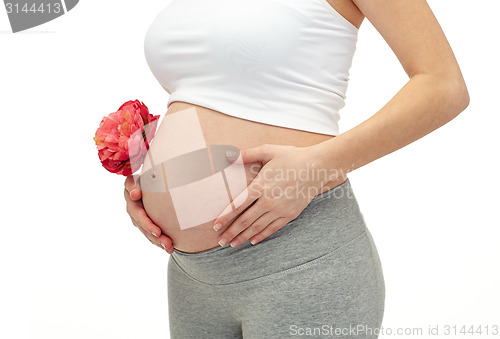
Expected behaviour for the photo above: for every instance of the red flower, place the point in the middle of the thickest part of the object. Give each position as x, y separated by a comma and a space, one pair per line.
123, 137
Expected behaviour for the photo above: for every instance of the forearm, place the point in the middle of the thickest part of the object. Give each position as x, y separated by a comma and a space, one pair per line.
425, 103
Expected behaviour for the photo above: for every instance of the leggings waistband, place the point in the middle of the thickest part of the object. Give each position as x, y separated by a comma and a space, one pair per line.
330, 221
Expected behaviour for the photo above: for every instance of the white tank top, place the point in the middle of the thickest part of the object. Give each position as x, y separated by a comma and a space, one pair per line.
279, 62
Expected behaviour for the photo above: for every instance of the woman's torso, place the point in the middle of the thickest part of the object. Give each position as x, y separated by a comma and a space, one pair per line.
218, 129
223, 129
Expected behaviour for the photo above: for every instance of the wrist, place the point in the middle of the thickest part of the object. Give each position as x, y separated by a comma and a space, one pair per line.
327, 159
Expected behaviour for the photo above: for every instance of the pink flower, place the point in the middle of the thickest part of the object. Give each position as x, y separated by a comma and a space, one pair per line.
123, 137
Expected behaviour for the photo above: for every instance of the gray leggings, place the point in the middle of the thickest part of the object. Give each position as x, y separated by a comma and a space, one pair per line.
318, 276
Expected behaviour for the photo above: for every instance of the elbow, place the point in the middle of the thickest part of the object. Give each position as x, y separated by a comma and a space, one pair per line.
462, 96
456, 97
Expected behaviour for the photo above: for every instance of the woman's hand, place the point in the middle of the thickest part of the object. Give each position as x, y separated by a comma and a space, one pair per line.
139, 217
289, 179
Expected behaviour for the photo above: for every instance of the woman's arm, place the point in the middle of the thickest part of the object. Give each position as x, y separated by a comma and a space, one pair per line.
434, 95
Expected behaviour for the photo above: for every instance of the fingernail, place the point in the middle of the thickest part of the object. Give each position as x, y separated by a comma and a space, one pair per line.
132, 191
163, 245
217, 226
253, 241
234, 243
223, 242
153, 233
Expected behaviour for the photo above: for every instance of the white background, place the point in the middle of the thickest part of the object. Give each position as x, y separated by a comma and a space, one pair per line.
73, 265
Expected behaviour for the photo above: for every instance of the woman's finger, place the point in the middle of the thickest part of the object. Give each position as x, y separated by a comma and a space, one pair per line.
243, 221
270, 229
257, 226
240, 203
136, 211
160, 242
144, 221
133, 188
166, 243
141, 220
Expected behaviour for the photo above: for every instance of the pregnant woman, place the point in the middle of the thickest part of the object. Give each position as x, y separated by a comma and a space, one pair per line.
291, 254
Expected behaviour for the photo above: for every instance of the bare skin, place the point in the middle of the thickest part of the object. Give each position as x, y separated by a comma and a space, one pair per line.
435, 94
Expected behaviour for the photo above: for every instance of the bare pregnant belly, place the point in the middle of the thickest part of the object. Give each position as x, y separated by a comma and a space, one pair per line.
176, 136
